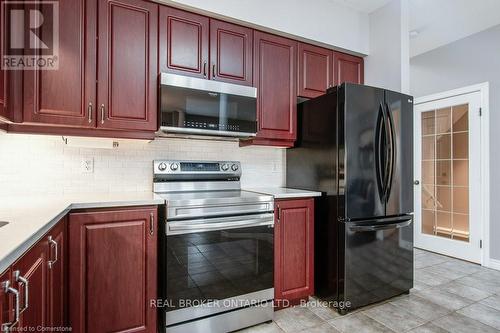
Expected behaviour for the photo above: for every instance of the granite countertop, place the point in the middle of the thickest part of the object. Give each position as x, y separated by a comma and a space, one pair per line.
284, 193
32, 217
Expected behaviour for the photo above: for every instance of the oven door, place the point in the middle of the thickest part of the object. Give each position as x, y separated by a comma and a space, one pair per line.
217, 264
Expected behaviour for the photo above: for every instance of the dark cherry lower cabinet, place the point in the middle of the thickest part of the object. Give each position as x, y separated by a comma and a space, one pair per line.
6, 313
39, 278
113, 270
293, 251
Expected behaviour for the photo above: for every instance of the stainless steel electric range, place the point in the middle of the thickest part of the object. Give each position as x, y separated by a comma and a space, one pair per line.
216, 257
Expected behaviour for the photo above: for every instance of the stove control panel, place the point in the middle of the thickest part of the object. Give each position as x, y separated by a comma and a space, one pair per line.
197, 169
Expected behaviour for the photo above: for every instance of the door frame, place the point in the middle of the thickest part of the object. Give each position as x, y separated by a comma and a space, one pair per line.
484, 120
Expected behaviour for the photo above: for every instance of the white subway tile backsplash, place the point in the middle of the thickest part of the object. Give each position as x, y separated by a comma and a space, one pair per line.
44, 164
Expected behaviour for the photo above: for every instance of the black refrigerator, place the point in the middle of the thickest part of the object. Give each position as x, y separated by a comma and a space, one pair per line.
355, 145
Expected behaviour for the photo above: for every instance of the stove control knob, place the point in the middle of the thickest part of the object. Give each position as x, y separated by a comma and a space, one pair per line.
225, 167
235, 167
174, 166
162, 166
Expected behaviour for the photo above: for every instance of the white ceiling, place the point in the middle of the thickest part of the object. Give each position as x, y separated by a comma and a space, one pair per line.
440, 22
365, 6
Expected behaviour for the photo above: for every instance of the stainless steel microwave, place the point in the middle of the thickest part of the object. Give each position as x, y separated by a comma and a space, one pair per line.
191, 105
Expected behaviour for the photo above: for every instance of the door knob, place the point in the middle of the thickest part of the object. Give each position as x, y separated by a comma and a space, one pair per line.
416, 182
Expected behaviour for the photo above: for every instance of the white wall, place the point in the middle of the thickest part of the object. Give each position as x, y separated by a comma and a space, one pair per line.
387, 65
320, 20
31, 164
474, 59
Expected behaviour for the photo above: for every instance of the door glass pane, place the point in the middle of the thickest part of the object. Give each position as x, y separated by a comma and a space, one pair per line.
445, 172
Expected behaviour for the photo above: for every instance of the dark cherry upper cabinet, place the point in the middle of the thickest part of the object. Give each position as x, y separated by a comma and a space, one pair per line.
184, 39
275, 68
127, 62
294, 250
315, 70
32, 266
112, 265
66, 96
348, 68
3, 74
57, 273
231, 53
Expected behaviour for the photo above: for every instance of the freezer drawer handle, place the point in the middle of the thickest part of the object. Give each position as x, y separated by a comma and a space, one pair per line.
376, 227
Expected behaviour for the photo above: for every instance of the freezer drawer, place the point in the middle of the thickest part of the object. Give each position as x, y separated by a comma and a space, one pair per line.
378, 261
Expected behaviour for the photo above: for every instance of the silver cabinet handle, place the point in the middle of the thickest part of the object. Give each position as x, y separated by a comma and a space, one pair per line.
213, 72
151, 224
205, 69
7, 327
54, 243
89, 110
102, 113
22, 281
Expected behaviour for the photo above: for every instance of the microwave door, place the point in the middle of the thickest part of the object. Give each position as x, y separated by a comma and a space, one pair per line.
211, 108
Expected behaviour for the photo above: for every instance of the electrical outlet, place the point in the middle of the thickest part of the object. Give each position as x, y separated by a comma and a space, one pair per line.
87, 165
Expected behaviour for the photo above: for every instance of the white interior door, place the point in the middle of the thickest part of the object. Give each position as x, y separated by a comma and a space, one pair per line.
448, 170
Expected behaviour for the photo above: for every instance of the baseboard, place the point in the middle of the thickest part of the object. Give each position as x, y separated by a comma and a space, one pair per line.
493, 264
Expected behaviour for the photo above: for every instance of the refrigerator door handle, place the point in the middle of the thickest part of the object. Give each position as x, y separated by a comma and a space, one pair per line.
379, 149
376, 227
391, 152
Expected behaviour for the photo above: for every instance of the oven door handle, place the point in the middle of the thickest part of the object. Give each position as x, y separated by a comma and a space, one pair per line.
191, 226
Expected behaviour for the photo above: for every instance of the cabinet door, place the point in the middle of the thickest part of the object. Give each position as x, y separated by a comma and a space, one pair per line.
348, 68
315, 70
112, 270
128, 69
66, 96
3, 94
32, 266
56, 291
184, 39
3, 74
294, 249
231, 53
275, 77
6, 304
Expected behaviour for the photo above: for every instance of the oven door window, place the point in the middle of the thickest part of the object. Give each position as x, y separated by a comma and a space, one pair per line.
216, 265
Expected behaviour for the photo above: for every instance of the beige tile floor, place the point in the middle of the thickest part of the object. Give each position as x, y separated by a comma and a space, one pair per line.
450, 295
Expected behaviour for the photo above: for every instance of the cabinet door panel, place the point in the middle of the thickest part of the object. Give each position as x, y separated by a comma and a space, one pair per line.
3, 94
128, 72
33, 266
6, 304
56, 297
113, 270
231, 53
315, 70
348, 68
275, 77
184, 39
294, 249
62, 96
